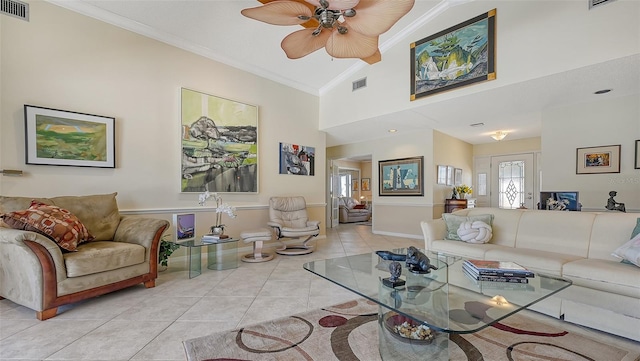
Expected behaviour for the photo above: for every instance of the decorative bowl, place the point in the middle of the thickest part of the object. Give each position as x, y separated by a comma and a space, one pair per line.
407, 329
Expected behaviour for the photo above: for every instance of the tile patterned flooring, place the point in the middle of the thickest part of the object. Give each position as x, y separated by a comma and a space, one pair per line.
150, 324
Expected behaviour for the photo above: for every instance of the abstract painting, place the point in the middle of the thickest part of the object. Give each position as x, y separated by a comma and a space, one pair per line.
297, 159
219, 144
458, 56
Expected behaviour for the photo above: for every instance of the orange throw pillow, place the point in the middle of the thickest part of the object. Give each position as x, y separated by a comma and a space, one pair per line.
51, 221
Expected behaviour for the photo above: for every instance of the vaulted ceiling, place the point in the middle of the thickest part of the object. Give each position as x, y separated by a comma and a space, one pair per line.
217, 30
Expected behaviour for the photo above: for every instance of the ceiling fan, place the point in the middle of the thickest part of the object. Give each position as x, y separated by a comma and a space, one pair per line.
345, 28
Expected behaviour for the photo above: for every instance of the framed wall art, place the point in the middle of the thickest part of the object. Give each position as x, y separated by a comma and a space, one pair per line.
219, 144
637, 158
457, 176
185, 226
461, 55
401, 177
596, 160
450, 175
366, 184
297, 159
61, 137
442, 175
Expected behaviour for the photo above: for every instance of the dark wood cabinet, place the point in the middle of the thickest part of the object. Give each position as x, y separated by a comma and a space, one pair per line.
451, 205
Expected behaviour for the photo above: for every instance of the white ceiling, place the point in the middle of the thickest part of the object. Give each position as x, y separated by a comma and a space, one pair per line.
217, 30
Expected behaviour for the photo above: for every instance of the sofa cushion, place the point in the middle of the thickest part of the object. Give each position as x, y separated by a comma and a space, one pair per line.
548, 262
54, 222
607, 276
474, 232
462, 249
102, 256
99, 213
629, 251
454, 221
610, 231
505, 223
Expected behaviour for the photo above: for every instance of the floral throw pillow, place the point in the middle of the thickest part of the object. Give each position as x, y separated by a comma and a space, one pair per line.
54, 222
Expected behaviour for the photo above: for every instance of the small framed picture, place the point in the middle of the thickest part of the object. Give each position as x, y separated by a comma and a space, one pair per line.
366, 184
597, 160
450, 171
60, 137
442, 175
457, 176
185, 226
354, 185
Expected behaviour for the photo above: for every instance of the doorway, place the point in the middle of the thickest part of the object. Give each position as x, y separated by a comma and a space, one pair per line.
507, 181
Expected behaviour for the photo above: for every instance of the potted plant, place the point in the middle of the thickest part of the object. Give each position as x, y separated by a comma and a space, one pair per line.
166, 249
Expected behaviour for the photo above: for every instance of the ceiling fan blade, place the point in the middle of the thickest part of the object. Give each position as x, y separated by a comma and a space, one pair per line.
351, 45
302, 42
279, 13
374, 17
336, 4
376, 57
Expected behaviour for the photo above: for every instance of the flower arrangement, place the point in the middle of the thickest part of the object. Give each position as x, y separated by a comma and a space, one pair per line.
220, 207
463, 189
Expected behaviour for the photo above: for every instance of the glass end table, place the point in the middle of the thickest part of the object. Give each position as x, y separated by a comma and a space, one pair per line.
221, 254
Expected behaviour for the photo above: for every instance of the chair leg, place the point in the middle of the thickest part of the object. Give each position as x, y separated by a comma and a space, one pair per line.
150, 283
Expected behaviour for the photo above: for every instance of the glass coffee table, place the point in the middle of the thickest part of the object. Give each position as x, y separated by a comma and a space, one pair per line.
445, 300
221, 255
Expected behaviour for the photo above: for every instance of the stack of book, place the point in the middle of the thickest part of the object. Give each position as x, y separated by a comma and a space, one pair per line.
213, 238
496, 271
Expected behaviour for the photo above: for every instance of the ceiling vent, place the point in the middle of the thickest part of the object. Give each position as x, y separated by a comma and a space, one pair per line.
597, 3
15, 8
359, 84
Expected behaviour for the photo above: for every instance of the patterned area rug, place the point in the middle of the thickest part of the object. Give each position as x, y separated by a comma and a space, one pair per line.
349, 332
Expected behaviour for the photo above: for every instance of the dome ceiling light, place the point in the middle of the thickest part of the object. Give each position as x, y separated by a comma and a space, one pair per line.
499, 135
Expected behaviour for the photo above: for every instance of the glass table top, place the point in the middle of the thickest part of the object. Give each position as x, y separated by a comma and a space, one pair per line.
444, 299
198, 242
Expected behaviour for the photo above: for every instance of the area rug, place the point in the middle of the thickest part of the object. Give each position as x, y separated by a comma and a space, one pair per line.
349, 332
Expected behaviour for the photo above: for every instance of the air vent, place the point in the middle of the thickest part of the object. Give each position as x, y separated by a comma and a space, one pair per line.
15, 8
359, 84
596, 3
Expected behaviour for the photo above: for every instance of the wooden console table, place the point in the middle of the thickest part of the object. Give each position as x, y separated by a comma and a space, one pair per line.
451, 205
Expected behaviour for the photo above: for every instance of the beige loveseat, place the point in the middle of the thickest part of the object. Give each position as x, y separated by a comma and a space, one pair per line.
351, 210
37, 273
605, 294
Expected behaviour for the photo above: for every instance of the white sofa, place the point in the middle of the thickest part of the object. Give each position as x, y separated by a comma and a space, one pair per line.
605, 294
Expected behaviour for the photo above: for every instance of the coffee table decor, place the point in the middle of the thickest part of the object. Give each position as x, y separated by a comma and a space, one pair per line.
395, 268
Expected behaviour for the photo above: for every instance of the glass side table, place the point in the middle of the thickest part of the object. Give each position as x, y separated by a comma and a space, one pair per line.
221, 255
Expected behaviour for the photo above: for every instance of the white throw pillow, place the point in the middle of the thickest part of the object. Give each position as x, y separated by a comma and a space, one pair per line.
629, 251
475, 232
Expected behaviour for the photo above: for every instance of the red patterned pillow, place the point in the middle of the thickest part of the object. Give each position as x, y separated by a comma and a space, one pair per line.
54, 222
359, 206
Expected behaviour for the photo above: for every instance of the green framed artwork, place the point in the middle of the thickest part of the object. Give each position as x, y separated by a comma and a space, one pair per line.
219, 144
401, 177
461, 55
61, 137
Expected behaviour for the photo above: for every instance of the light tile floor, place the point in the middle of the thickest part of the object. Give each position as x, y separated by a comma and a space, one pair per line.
150, 324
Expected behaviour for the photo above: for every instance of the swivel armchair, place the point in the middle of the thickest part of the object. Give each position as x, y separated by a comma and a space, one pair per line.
288, 217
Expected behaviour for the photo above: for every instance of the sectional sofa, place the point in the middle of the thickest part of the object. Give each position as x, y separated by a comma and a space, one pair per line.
605, 294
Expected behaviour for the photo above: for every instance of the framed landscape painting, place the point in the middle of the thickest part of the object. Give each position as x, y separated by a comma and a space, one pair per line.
401, 177
595, 160
219, 144
461, 55
60, 137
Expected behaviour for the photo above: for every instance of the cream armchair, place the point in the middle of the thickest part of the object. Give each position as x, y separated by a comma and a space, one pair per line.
289, 219
37, 273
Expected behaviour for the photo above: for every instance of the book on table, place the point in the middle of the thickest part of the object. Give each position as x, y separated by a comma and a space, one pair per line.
503, 279
213, 238
496, 268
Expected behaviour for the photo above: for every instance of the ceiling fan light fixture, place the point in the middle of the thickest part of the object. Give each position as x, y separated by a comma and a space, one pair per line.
499, 135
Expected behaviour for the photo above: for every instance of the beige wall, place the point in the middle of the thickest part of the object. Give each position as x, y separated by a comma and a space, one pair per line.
64, 60
506, 146
453, 152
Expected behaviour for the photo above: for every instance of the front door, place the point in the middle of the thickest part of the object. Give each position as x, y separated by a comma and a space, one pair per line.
512, 181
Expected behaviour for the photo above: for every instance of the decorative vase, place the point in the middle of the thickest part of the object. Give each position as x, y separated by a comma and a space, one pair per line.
217, 230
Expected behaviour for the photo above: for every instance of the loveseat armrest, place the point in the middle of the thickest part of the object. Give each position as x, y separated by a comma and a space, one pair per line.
141, 230
433, 230
24, 256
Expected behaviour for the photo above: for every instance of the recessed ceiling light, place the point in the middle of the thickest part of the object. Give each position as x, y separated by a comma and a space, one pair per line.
603, 91
393, 130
